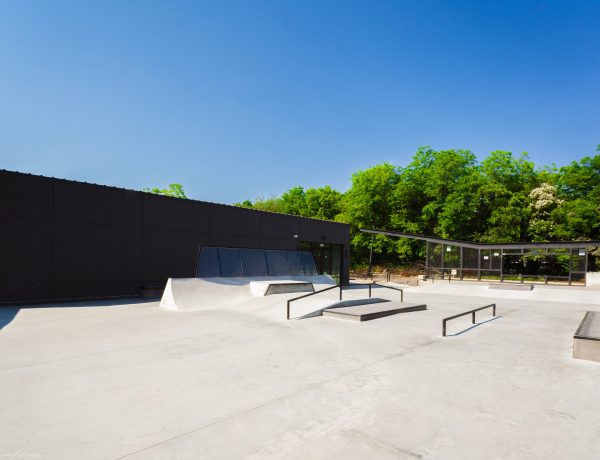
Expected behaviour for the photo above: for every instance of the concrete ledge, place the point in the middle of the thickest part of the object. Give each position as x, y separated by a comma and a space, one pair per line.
586, 341
356, 302
286, 287
511, 286
372, 311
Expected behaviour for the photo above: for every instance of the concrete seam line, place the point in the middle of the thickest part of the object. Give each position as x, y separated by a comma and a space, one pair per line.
245, 411
281, 398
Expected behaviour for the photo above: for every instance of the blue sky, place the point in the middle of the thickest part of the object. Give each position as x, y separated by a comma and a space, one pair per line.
239, 100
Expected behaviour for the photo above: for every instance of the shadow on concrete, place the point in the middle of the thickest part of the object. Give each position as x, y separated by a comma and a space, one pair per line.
94, 303
7, 314
474, 326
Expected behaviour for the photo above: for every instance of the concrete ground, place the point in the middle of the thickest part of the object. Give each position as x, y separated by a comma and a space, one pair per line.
125, 379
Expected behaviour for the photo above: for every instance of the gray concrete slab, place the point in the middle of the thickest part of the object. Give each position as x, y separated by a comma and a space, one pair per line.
511, 286
130, 380
372, 311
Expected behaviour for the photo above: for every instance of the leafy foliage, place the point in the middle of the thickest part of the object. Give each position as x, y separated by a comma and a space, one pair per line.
174, 190
449, 193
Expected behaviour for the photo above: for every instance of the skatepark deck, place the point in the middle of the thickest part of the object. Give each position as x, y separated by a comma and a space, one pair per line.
372, 311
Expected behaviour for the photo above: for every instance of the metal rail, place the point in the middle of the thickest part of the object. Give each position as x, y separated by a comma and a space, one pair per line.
340, 287
311, 294
471, 312
389, 287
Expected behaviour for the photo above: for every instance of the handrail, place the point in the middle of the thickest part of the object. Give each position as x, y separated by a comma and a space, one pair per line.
472, 312
389, 287
312, 293
340, 286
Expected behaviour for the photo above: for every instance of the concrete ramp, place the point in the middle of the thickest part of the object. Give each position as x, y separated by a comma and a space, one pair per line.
192, 294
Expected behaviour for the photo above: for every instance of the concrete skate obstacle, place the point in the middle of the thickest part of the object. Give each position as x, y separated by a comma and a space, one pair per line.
586, 341
511, 286
190, 294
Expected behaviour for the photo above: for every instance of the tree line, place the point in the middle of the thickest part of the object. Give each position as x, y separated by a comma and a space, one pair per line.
451, 194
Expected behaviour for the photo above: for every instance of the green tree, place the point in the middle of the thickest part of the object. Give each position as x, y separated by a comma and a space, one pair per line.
294, 201
174, 190
577, 220
507, 183
580, 179
368, 204
323, 203
448, 193
436, 194
244, 204
578, 185
272, 204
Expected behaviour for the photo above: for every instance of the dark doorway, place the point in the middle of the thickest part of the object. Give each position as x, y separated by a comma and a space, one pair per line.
328, 258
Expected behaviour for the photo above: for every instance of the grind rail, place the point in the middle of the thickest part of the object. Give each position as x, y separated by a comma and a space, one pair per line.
471, 312
340, 287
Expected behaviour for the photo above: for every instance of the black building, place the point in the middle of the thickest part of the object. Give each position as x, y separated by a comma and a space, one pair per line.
67, 240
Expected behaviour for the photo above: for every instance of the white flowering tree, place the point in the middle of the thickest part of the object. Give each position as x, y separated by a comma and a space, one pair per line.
543, 204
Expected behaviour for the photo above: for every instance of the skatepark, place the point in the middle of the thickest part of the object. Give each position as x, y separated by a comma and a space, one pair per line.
264, 352
131, 379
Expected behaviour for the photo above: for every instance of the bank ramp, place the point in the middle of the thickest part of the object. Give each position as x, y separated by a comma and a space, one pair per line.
192, 294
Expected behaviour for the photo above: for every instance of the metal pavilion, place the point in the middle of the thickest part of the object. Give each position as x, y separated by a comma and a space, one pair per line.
465, 259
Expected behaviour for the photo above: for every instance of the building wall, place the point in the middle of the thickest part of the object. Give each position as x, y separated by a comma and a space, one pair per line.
63, 239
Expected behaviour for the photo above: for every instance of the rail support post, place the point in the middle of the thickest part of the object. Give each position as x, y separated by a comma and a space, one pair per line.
470, 312
370, 285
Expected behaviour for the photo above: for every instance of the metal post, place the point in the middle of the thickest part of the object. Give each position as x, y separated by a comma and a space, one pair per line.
443, 258
340, 292
479, 264
501, 265
288, 309
473, 318
585, 268
370, 284
426, 260
461, 263
371, 258
570, 265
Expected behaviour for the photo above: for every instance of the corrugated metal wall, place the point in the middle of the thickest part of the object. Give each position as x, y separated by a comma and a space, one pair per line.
62, 239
